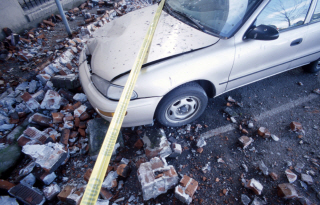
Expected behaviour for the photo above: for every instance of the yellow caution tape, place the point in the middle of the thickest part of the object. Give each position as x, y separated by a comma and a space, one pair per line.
99, 170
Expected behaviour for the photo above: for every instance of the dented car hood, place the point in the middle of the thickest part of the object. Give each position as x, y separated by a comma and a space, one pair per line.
116, 45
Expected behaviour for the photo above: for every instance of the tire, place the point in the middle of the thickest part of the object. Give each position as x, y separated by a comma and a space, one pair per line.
182, 105
313, 67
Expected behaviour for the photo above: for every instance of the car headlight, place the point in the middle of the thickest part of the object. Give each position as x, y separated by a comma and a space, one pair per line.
108, 89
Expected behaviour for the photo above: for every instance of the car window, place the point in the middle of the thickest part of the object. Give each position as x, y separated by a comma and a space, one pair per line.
283, 14
217, 17
316, 14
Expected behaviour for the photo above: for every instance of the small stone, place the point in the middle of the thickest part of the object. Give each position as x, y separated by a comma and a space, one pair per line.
105, 194
296, 126
258, 201
245, 199
255, 186
201, 142
263, 168
250, 125
307, 178
110, 181
233, 120
275, 138
317, 91
230, 99
292, 177
200, 150
231, 112
51, 191
299, 166
274, 176
287, 191
263, 132
246, 141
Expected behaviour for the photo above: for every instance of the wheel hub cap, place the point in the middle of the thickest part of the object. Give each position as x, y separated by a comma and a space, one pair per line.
183, 109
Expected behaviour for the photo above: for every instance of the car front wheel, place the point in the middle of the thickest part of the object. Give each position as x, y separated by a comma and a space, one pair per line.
313, 67
182, 105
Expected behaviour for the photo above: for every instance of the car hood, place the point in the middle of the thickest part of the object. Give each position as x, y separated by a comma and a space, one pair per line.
115, 46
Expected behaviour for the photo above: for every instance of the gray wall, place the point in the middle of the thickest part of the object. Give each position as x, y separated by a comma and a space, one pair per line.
18, 20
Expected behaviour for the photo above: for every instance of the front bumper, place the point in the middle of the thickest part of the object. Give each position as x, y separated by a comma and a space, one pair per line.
139, 111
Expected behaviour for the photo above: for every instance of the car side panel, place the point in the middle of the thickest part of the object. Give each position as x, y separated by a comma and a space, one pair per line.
310, 47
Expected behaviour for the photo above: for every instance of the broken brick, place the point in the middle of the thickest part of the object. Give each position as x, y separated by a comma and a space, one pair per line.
31, 103
40, 119
6, 185
57, 117
246, 141
255, 186
296, 126
65, 136
287, 191
123, 170
87, 175
138, 144
104, 193
264, 132
66, 191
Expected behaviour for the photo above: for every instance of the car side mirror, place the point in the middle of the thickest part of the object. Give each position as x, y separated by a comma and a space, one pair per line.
262, 32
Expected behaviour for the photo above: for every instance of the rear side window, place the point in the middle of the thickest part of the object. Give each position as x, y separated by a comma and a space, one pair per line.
316, 15
283, 14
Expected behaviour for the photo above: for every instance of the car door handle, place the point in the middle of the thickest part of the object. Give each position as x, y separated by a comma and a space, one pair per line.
296, 42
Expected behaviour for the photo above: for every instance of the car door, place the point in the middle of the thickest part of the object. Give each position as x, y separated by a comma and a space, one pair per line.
258, 59
310, 47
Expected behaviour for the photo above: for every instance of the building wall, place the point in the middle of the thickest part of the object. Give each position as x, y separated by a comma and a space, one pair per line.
18, 20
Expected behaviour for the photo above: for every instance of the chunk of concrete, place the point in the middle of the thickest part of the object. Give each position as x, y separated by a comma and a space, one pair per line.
9, 157
96, 130
156, 144
49, 156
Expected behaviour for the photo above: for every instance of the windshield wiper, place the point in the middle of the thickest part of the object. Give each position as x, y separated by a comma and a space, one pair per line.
189, 18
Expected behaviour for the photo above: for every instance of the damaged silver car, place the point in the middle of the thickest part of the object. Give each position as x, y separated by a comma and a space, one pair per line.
201, 49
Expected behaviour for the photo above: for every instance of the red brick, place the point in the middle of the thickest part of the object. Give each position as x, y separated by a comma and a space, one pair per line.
296, 126
192, 187
68, 118
84, 116
67, 190
138, 144
76, 105
104, 193
87, 175
74, 134
123, 170
76, 122
82, 132
184, 181
83, 125
264, 132
49, 23
6, 185
57, 117
23, 141
65, 136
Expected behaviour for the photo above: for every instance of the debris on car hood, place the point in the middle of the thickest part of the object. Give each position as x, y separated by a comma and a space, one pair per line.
115, 47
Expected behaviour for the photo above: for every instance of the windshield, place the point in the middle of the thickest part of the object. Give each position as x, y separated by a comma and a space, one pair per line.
217, 17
